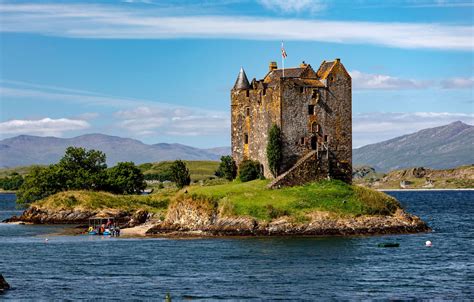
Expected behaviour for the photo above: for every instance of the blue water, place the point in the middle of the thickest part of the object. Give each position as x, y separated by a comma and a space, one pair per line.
87, 267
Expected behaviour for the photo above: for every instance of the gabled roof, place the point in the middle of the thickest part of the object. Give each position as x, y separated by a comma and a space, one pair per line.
325, 69
242, 82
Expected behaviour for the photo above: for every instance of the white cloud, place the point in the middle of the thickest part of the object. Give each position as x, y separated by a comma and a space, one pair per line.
456, 83
178, 121
44, 127
361, 80
380, 81
116, 22
293, 6
374, 127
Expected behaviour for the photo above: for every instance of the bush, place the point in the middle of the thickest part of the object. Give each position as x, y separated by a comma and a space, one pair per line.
227, 168
125, 178
180, 174
250, 170
12, 182
274, 152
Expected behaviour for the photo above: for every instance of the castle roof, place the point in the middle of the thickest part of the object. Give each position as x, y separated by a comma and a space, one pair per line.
242, 82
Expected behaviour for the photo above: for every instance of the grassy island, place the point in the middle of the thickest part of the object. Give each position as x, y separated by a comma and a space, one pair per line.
250, 199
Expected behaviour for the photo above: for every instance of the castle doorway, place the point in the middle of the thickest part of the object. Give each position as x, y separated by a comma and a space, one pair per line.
314, 142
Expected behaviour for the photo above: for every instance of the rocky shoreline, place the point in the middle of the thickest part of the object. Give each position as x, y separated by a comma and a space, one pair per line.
188, 218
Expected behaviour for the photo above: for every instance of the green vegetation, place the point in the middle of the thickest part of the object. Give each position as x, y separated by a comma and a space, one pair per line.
125, 178
274, 152
256, 200
79, 170
249, 170
227, 168
90, 200
11, 182
199, 170
180, 174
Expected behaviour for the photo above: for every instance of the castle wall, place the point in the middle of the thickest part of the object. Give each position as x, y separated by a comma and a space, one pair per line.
253, 115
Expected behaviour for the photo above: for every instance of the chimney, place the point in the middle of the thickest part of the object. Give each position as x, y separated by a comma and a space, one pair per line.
338, 60
303, 64
272, 66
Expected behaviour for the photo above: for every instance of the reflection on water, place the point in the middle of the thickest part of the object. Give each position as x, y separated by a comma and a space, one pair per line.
91, 267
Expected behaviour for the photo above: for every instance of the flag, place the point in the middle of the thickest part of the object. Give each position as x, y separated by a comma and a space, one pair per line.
283, 52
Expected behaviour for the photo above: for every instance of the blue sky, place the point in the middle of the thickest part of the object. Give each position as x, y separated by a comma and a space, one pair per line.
161, 71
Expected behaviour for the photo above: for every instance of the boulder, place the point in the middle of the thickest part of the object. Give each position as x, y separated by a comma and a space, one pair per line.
3, 284
139, 217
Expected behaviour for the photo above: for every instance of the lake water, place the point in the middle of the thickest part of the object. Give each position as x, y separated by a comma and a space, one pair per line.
92, 267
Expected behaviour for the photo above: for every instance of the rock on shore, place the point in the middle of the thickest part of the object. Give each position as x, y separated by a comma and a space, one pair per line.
188, 217
39, 215
3, 284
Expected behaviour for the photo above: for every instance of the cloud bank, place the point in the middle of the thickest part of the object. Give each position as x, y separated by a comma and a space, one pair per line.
102, 21
43, 127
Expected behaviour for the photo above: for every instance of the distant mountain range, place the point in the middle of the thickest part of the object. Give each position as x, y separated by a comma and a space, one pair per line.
438, 148
27, 150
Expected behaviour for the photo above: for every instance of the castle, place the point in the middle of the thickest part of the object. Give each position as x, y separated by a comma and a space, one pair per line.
313, 110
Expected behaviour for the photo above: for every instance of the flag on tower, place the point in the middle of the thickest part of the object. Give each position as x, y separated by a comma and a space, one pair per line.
283, 52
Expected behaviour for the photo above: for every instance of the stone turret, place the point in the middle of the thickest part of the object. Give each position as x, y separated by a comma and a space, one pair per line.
242, 82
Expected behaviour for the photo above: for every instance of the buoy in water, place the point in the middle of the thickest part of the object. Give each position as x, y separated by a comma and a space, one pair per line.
428, 243
46, 239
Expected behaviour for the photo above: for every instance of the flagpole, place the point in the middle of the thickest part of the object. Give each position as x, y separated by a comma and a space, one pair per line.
283, 58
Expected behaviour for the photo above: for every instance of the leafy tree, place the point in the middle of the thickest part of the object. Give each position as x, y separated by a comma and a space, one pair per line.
125, 178
12, 182
274, 149
40, 183
250, 170
180, 174
83, 170
227, 168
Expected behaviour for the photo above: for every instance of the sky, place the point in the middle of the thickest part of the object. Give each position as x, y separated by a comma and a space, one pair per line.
161, 71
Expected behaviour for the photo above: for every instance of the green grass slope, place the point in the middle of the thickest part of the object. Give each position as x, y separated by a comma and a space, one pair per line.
199, 169
256, 200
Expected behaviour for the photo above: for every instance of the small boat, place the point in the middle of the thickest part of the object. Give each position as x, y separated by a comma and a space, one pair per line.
100, 226
389, 244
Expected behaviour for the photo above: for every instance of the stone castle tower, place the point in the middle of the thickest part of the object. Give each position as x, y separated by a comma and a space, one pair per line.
313, 109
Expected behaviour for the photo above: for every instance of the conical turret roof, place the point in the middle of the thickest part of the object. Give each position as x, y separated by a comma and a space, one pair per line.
242, 82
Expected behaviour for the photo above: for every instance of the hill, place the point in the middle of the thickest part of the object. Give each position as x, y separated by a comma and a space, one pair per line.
26, 150
442, 147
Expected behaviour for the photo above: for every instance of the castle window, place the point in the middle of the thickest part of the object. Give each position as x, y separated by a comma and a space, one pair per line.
315, 128
326, 138
315, 94
247, 93
246, 138
302, 141
301, 89
311, 109
264, 91
247, 111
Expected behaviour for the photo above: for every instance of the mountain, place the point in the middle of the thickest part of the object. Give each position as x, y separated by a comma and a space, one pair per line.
442, 147
26, 150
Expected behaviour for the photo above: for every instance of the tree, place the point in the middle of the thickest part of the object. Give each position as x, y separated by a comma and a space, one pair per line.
250, 170
12, 182
180, 174
227, 168
125, 178
274, 149
83, 170
40, 183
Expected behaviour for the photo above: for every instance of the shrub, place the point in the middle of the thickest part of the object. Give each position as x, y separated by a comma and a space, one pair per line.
125, 178
274, 152
12, 182
227, 168
250, 170
180, 174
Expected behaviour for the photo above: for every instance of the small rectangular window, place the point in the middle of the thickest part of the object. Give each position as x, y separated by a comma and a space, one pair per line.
246, 138
326, 138
301, 89
247, 93
311, 109
247, 111
264, 91
302, 141
315, 94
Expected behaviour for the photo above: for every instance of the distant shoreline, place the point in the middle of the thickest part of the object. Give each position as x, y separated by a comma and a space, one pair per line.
385, 190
